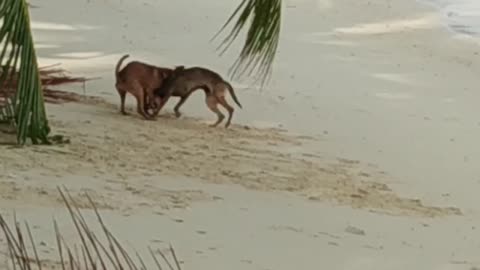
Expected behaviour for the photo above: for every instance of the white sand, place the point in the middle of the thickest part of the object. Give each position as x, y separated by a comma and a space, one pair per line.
381, 94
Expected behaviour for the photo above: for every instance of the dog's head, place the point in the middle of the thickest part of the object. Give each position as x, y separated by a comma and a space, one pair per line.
162, 94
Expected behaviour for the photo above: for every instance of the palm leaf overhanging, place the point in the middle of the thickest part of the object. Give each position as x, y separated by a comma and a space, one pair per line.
260, 47
19, 75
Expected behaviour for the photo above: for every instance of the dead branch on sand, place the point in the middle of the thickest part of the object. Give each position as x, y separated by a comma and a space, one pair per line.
95, 254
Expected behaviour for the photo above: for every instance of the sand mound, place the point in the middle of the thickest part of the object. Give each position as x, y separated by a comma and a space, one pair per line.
109, 147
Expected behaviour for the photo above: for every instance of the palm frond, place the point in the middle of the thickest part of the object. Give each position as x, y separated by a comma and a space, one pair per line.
260, 47
19, 71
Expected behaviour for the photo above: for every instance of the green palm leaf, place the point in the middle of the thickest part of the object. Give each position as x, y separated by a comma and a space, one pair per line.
20, 75
260, 47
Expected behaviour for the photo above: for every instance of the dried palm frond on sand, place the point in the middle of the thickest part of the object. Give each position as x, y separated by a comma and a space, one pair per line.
94, 253
50, 76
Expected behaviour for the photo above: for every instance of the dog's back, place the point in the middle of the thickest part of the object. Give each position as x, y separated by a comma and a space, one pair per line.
187, 80
184, 80
147, 75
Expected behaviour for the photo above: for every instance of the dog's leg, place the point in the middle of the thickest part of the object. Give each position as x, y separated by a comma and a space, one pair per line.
149, 102
141, 107
176, 109
140, 95
223, 102
148, 105
122, 94
159, 107
212, 105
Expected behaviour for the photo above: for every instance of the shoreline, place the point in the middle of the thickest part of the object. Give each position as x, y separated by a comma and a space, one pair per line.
469, 29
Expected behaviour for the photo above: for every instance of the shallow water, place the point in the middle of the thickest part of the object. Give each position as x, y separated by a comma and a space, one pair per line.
462, 16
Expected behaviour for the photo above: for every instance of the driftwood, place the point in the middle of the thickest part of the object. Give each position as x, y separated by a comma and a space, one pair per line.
95, 254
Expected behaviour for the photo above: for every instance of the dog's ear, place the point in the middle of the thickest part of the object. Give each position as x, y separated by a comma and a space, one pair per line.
176, 72
179, 69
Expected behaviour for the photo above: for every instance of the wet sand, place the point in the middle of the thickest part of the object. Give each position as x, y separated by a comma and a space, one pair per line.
360, 154
119, 150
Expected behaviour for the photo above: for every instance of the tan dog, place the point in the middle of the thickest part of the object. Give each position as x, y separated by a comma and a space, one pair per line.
139, 79
184, 81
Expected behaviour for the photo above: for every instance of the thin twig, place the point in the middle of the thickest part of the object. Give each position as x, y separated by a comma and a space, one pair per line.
87, 231
165, 259
105, 230
23, 248
85, 258
72, 214
59, 243
9, 234
11, 248
155, 259
39, 264
105, 251
175, 257
67, 248
77, 256
141, 260
12, 257
125, 255
49, 66
70, 257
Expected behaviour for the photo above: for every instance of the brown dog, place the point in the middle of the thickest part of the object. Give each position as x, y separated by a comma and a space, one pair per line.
139, 79
184, 81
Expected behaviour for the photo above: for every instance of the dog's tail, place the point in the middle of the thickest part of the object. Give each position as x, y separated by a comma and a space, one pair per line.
232, 93
119, 64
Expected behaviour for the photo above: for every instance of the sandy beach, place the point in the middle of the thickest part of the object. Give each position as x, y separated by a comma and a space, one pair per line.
361, 153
